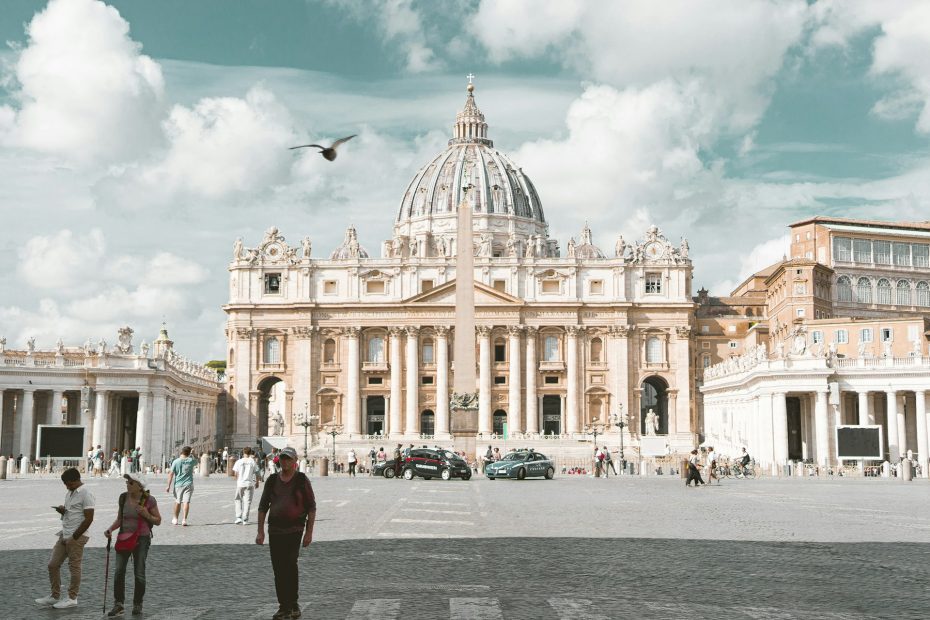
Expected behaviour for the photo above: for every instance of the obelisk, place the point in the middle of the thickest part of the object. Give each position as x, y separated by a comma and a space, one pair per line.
464, 403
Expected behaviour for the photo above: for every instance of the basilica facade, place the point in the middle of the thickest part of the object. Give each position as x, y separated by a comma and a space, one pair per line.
357, 345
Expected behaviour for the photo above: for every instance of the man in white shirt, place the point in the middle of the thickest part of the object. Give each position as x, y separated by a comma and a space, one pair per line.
77, 513
712, 465
246, 470
353, 461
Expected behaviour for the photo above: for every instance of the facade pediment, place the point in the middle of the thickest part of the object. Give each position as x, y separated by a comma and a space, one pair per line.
484, 296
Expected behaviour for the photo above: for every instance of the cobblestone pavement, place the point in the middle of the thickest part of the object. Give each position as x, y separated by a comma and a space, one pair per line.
572, 548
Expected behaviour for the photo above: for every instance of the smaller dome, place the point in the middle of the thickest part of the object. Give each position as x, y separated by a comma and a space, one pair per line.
587, 249
350, 248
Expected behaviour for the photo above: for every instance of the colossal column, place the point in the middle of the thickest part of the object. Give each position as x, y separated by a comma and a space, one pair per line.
412, 426
571, 360
353, 423
920, 406
484, 378
442, 382
780, 428
891, 416
54, 416
532, 399
863, 408
514, 418
397, 362
822, 427
100, 416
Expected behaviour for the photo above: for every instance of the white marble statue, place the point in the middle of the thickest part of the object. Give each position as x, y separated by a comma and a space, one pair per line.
2, 344
31, 344
144, 347
652, 423
684, 249
237, 249
277, 424
800, 343
571, 247
60, 347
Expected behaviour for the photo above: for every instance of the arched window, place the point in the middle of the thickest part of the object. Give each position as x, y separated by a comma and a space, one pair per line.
597, 406
428, 357
232, 358
902, 295
653, 350
376, 349
864, 291
329, 351
272, 351
844, 289
427, 422
597, 350
883, 292
923, 294
551, 349
500, 417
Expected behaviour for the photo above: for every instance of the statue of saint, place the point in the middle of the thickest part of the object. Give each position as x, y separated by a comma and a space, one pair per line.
571, 247
620, 247
237, 249
307, 246
685, 248
277, 424
652, 423
31, 344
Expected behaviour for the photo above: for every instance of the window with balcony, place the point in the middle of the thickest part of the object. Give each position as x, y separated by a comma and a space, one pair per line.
653, 283
653, 350
920, 252
376, 350
923, 295
272, 351
902, 254
842, 249
272, 283
844, 289
882, 252
551, 349
883, 289
865, 334
862, 250
864, 291
842, 336
902, 293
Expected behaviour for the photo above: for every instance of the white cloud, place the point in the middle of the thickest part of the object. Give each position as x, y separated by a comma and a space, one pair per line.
62, 260
85, 92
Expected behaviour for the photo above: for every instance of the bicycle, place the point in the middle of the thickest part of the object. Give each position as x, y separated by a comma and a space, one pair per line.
743, 471
723, 471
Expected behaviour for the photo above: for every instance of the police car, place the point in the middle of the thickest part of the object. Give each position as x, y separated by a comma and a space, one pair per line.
427, 464
521, 464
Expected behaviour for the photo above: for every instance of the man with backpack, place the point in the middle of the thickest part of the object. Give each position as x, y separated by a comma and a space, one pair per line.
289, 503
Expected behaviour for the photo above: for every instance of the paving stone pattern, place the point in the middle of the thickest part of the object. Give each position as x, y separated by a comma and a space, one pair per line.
568, 549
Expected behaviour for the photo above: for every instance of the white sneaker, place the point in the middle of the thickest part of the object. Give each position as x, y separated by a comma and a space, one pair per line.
184, 522
238, 521
174, 520
65, 603
46, 601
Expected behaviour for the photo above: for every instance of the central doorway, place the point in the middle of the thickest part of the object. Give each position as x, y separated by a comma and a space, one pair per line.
795, 436
374, 424
552, 414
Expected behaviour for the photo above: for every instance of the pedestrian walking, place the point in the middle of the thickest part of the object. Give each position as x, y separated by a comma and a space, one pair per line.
246, 470
134, 460
77, 513
98, 461
90, 459
694, 471
352, 460
372, 460
598, 462
225, 459
608, 462
114, 464
711, 465
398, 462
135, 517
289, 503
181, 484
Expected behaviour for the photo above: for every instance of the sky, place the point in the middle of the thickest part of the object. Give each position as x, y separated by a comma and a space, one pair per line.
138, 140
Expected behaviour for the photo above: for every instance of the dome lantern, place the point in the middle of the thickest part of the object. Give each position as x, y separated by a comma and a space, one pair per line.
470, 126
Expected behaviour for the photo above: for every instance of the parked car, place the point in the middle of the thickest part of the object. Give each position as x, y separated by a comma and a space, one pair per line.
521, 464
427, 464
384, 468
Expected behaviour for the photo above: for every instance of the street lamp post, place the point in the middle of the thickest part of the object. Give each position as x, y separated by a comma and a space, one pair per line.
620, 421
333, 431
306, 420
594, 429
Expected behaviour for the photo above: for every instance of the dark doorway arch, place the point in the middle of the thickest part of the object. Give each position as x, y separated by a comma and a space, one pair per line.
498, 420
374, 407
552, 414
655, 397
264, 388
427, 422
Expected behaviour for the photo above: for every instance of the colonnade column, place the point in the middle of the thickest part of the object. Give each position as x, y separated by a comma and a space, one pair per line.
532, 401
891, 417
27, 417
902, 424
514, 417
395, 423
822, 429
863, 408
143, 426
2, 395
353, 423
156, 448
571, 360
780, 427
100, 416
54, 416
412, 426
441, 429
484, 378
920, 405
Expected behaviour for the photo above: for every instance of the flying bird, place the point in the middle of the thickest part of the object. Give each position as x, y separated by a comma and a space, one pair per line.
328, 153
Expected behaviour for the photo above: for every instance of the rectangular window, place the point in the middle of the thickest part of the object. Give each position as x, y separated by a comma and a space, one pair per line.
921, 254
427, 380
653, 283
551, 380
912, 333
551, 350
887, 334
500, 352
842, 249
817, 337
597, 287
842, 336
500, 285
706, 361
375, 380
865, 335
733, 344
882, 252
272, 283
705, 329
799, 313
374, 287
550, 286
426, 285
428, 352
330, 287
902, 254
500, 380
705, 345
862, 250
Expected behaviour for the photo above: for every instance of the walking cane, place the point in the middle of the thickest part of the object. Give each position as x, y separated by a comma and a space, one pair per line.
106, 578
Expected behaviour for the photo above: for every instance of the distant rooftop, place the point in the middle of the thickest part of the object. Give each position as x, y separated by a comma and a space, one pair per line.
848, 221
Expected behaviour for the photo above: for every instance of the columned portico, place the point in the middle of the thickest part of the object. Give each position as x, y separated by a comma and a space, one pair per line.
532, 400
484, 379
513, 407
412, 425
395, 421
442, 382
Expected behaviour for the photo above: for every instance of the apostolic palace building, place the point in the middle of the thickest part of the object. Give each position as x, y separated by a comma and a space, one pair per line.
355, 346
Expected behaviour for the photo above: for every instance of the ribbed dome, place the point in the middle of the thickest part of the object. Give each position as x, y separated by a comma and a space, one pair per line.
350, 248
471, 169
587, 249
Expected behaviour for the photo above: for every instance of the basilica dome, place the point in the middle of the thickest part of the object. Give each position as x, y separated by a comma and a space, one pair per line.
471, 171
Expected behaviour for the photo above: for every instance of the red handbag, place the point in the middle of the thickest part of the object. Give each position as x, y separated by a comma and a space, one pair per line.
126, 542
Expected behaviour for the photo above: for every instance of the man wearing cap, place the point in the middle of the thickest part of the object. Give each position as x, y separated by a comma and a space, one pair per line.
289, 503
77, 513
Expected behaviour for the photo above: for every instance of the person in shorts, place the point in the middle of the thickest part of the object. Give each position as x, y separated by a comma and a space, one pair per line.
181, 484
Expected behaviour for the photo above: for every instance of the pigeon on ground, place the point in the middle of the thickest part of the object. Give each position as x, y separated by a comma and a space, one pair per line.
328, 153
